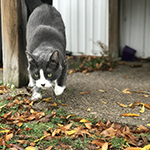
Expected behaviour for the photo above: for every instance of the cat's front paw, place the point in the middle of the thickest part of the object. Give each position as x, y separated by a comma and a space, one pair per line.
31, 84
59, 89
36, 96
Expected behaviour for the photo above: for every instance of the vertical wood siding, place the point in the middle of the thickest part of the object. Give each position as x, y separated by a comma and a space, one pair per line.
135, 26
86, 23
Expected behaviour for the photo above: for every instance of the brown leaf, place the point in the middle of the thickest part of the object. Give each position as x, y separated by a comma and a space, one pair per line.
46, 118
110, 132
147, 106
8, 115
88, 125
8, 136
49, 148
99, 142
143, 129
85, 92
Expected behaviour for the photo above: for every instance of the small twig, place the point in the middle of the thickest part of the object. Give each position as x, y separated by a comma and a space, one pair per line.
117, 90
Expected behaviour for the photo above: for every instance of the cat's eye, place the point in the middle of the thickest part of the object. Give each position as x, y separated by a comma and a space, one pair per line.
36, 75
49, 75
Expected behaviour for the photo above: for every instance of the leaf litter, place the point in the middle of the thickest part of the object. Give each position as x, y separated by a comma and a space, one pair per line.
18, 114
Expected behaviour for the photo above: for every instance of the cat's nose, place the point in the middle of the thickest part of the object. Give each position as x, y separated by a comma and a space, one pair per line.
43, 85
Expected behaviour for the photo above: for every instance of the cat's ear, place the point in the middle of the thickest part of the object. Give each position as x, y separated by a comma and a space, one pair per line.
54, 57
30, 57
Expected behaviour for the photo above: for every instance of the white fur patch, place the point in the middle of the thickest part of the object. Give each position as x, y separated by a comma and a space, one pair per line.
31, 81
36, 96
42, 82
58, 89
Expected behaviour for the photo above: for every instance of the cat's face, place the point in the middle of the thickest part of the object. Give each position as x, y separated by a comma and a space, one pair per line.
44, 69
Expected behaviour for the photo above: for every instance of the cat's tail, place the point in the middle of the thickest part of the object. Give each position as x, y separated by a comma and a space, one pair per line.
32, 4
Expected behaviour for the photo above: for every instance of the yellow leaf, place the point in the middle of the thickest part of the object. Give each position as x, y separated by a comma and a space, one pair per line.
71, 132
105, 146
146, 147
41, 138
60, 125
47, 99
54, 104
130, 104
70, 116
146, 95
84, 120
4, 131
30, 148
143, 109
130, 115
103, 102
122, 104
89, 109
20, 124
101, 90
2, 106
148, 125
126, 91
32, 111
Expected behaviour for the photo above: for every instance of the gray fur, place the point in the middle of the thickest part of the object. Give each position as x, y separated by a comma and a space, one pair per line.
46, 44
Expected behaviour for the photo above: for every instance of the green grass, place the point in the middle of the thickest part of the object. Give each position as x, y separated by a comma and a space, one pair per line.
31, 130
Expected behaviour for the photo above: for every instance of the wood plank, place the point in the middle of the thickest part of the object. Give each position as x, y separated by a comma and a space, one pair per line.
114, 27
13, 41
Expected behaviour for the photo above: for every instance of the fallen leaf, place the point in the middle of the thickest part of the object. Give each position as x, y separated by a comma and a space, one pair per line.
88, 125
30, 148
70, 116
130, 115
126, 91
103, 102
64, 104
89, 109
146, 95
101, 90
84, 120
4, 131
146, 147
2, 106
127, 77
147, 106
143, 109
71, 132
122, 105
105, 146
49, 148
110, 132
20, 124
8, 136
54, 104
133, 148
84, 92
47, 99
99, 142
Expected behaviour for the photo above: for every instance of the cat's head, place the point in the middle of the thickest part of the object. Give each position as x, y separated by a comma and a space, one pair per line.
44, 68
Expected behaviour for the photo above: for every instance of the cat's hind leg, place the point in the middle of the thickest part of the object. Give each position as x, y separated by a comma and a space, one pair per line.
60, 83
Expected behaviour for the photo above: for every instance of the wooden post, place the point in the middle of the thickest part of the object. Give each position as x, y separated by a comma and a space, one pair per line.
114, 27
13, 41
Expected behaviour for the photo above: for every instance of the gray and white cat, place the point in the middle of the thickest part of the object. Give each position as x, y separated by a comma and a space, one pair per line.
46, 44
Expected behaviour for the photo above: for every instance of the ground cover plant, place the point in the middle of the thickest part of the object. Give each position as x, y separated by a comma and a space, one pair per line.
23, 127
106, 61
